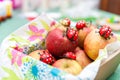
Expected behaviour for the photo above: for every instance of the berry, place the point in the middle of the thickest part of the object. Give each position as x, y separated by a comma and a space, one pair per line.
52, 23
72, 34
46, 57
105, 31
75, 36
18, 48
70, 55
80, 25
65, 22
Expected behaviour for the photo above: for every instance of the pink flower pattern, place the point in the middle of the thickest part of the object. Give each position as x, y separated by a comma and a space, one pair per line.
17, 57
36, 33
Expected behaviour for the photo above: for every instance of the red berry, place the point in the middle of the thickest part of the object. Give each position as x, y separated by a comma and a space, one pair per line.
107, 34
75, 36
18, 48
52, 23
66, 22
70, 55
80, 25
46, 57
72, 34
105, 31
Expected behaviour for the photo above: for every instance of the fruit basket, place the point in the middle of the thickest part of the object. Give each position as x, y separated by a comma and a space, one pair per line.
15, 64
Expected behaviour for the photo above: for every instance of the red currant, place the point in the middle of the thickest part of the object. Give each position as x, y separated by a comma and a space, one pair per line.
66, 22
18, 48
75, 36
80, 25
70, 55
52, 23
105, 31
46, 57
72, 34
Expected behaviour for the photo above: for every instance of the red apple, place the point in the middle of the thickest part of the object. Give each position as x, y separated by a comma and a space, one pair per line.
68, 65
82, 58
61, 40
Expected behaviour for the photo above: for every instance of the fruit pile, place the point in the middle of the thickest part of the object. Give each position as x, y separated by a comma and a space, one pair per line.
72, 48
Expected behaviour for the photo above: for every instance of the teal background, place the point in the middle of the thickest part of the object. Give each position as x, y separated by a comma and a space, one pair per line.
10, 25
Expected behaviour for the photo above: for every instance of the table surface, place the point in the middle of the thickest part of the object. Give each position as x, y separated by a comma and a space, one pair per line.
10, 25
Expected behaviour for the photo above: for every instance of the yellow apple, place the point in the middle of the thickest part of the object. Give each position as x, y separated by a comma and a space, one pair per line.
83, 33
68, 65
94, 42
35, 54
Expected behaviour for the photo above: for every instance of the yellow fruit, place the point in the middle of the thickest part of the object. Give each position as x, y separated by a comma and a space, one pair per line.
68, 65
35, 54
94, 42
83, 33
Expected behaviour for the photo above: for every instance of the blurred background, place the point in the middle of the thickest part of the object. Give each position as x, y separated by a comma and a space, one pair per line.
33, 8
16, 13
56, 8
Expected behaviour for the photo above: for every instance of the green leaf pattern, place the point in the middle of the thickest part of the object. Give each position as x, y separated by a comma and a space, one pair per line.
11, 73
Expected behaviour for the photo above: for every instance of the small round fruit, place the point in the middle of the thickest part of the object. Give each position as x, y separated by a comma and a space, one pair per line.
69, 55
80, 25
43, 55
105, 31
66, 22
52, 23
68, 65
72, 34
46, 57
35, 54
